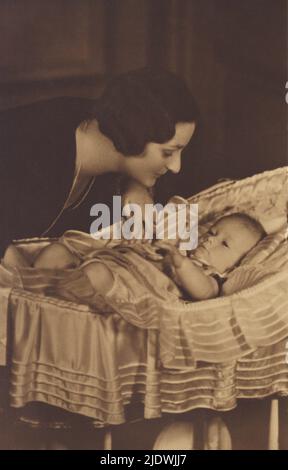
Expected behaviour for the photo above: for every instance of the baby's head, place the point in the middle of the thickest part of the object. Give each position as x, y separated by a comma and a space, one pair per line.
228, 240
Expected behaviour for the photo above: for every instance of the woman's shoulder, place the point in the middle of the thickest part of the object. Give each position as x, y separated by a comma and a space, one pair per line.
38, 160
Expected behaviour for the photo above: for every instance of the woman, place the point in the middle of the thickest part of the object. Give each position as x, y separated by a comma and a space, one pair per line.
55, 152
68, 153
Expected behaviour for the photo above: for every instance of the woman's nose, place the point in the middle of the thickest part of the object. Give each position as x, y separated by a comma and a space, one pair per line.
174, 163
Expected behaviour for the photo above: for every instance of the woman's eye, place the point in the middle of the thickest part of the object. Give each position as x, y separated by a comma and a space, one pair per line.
225, 244
167, 153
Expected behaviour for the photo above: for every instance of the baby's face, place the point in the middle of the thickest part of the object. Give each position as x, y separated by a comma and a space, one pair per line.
225, 243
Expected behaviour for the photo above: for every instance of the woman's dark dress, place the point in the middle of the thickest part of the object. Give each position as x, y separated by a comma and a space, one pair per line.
37, 164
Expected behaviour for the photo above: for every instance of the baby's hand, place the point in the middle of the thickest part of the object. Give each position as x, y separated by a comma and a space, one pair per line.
135, 241
172, 260
170, 253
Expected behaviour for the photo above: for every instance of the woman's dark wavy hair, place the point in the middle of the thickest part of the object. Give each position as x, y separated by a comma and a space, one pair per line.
144, 106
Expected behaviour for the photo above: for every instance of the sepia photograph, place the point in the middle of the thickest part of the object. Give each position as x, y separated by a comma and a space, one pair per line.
144, 227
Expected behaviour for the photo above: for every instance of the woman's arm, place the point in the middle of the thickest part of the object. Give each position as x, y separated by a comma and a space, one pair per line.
190, 277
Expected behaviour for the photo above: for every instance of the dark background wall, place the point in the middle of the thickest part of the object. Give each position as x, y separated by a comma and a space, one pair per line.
231, 53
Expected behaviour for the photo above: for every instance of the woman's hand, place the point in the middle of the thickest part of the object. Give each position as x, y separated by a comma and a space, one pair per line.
136, 193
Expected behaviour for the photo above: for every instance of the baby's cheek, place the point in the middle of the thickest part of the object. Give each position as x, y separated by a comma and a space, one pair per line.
218, 260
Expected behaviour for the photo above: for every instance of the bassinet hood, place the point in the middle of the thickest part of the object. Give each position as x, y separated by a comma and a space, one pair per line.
263, 196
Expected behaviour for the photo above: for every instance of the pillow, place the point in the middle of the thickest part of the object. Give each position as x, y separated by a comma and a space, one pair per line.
266, 248
267, 257
244, 277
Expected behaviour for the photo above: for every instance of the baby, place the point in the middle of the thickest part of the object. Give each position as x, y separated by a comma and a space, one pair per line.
200, 274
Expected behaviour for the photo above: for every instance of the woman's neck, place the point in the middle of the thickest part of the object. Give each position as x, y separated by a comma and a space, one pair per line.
95, 153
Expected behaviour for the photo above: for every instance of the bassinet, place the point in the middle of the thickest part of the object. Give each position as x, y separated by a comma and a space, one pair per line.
218, 350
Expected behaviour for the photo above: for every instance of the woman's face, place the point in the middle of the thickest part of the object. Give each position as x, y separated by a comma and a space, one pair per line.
157, 159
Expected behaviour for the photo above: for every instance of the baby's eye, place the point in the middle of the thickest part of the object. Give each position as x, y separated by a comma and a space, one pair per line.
225, 244
167, 153
211, 232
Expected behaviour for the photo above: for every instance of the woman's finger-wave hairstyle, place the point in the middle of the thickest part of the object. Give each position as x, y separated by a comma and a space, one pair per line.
144, 106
